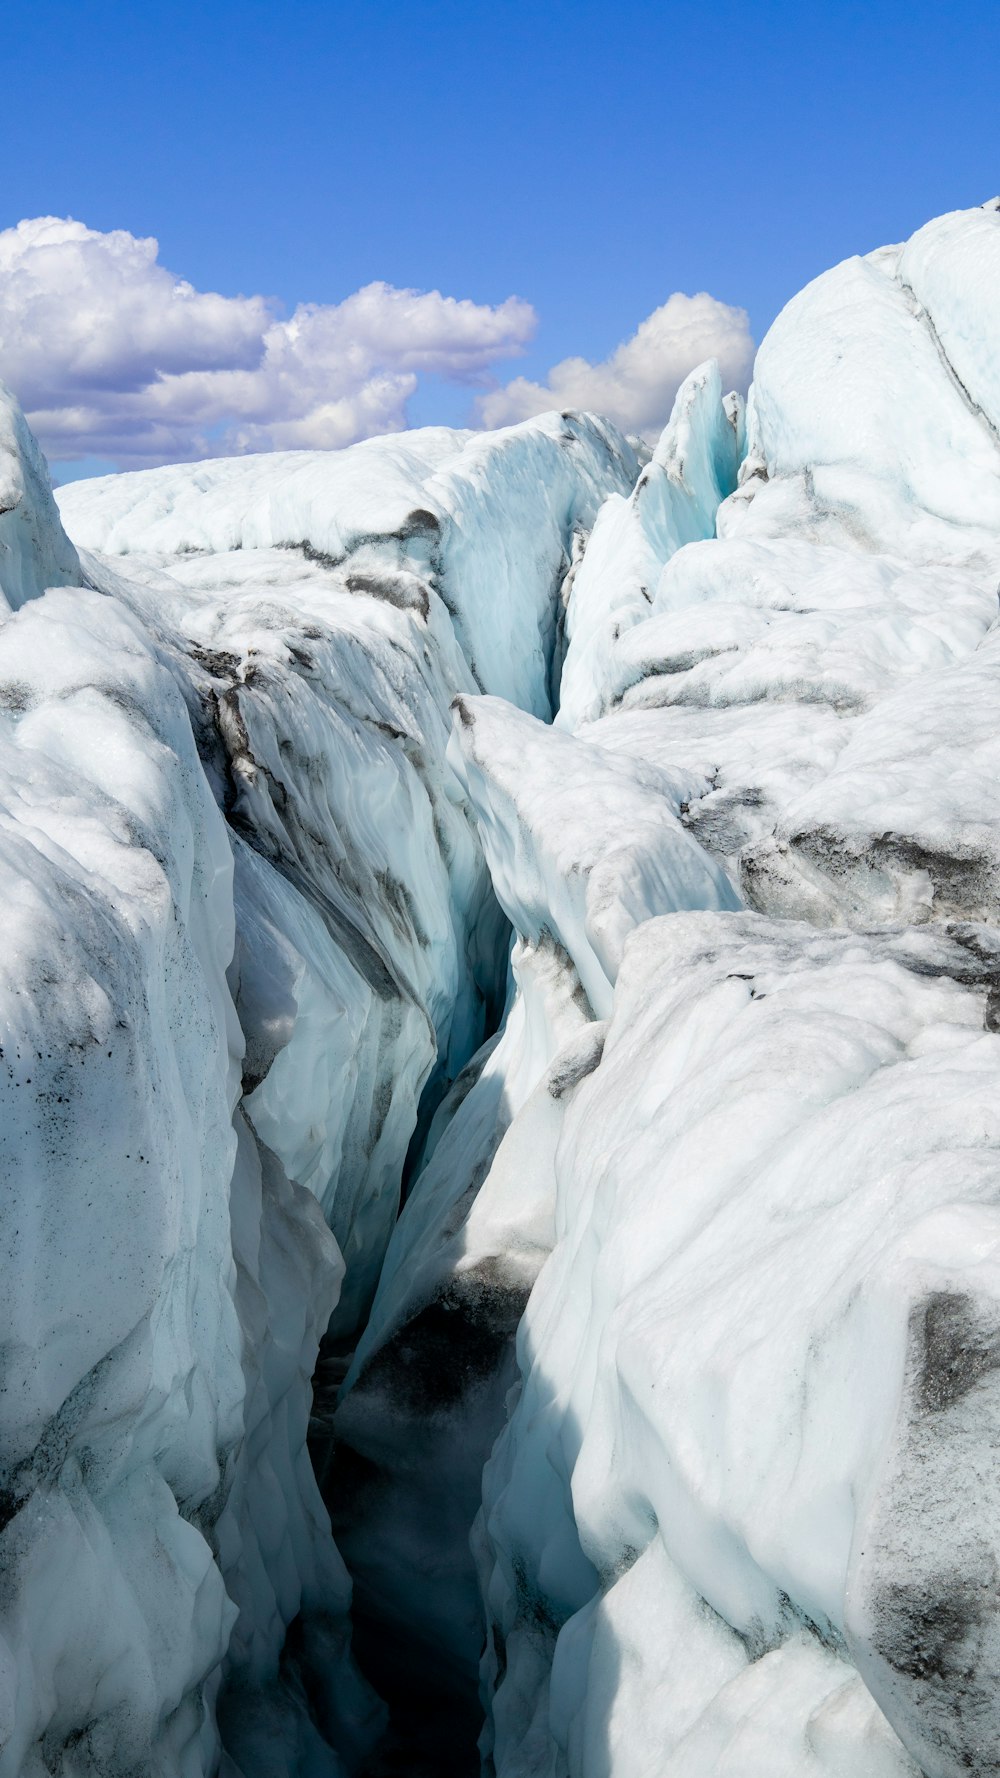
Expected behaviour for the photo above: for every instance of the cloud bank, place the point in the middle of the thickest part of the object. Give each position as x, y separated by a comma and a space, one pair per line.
114, 356
636, 386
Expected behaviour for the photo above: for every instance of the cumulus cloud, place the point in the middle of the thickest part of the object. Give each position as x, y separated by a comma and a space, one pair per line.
113, 356
636, 386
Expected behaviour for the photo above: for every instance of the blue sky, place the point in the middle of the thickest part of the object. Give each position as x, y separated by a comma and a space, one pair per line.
588, 158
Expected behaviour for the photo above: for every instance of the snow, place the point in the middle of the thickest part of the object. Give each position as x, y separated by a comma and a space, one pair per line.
519, 922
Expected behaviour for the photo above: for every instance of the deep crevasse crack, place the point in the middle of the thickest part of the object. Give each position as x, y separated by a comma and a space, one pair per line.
704, 1232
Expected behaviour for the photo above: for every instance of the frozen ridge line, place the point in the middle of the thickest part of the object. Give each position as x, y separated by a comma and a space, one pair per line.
692, 1314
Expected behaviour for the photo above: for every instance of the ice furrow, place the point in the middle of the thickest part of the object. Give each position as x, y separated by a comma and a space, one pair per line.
927, 321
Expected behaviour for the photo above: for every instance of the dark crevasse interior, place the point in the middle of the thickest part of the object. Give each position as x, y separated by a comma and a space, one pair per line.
442, 1380
454, 1358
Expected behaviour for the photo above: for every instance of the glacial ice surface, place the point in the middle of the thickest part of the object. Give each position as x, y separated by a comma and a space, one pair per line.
250, 931
741, 1517
740, 1166
522, 923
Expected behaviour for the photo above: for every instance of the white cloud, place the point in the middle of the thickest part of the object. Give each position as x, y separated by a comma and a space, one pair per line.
636, 386
112, 355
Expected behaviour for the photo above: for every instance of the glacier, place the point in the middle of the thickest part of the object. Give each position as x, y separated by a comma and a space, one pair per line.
229, 784
501, 1047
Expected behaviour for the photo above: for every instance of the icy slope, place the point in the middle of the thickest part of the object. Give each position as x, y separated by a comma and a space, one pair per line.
171, 1262
741, 1518
123, 1386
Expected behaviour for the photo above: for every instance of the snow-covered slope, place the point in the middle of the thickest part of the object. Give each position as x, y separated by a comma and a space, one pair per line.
600, 860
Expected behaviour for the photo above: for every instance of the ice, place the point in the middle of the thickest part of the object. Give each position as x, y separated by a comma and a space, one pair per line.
717, 1533
581, 845
674, 501
488, 520
860, 429
35, 552
519, 923
951, 269
122, 1405
742, 1355
582, 848
251, 935
337, 602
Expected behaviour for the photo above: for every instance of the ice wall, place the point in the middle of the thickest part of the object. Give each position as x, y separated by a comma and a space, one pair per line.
123, 1387
674, 501
327, 609
582, 847
741, 1518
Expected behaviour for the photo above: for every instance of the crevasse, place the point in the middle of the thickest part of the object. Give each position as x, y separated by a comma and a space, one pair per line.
690, 1315
227, 781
